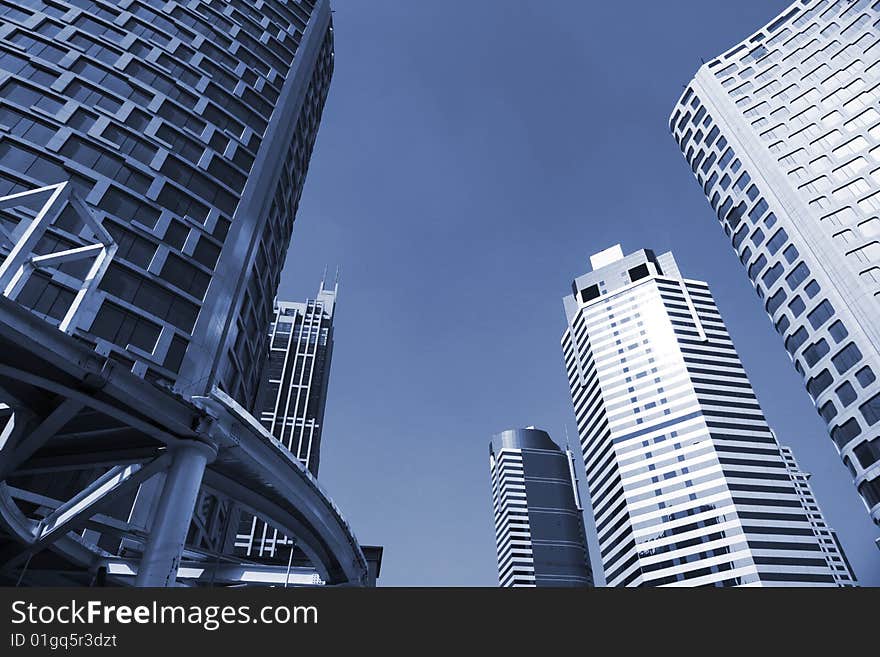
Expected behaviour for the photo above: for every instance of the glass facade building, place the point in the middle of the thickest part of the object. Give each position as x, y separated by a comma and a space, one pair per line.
539, 527
782, 132
688, 484
186, 128
292, 399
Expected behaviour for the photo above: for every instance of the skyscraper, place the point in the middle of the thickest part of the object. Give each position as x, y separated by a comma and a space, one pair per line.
828, 540
292, 398
783, 134
170, 143
687, 482
539, 528
187, 130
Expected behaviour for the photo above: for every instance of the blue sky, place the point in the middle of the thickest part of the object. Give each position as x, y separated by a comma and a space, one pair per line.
472, 155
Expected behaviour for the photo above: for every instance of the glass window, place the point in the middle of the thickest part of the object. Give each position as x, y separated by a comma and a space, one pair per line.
795, 340
871, 410
819, 383
812, 289
846, 432
772, 275
758, 211
846, 393
821, 314
797, 306
846, 358
757, 266
865, 376
838, 331
783, 324
814, 353
797, 276
828, 411
868, 452
779, 238
774, 302
791, 253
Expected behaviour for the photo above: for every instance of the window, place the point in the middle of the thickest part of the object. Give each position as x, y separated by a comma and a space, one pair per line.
791, 253
868, 452
871, 410
844, 433
122, 328
821, 314
758, 211
814, 353
639, 272
774, 302
797, 306
797, 276
838, 331
819, 383
757, 266
795, 340
828, 411
865, 376
783, 324
846, 358
778, 239
846, 394
812, 289
772, 275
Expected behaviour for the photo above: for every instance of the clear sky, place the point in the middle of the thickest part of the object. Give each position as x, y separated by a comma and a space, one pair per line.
472, 155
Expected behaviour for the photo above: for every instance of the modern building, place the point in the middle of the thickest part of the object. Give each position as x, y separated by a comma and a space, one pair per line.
187, 130
167, 146
782, 132
828, 540
291, 400
539, 527
688, 485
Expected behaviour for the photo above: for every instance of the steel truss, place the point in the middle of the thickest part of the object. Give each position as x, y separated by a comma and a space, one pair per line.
106, 477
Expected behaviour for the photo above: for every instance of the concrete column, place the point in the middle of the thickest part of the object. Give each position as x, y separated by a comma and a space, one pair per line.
170, 525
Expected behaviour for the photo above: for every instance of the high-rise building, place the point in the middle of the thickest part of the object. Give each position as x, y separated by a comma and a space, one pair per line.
187, 130
169, 142
292, 399
828, 540
539, 527
687, 482
782, 132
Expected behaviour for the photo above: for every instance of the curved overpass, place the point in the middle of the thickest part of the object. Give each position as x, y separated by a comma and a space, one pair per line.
84, 438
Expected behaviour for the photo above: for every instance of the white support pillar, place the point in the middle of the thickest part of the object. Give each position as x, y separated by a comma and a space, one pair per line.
170, 525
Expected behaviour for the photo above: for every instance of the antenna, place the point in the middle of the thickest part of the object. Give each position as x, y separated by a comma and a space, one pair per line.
323, 278
336, 280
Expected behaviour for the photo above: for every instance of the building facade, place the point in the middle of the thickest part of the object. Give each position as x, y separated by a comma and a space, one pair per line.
292, 398
688, 485
828, 540
783, 134
539, 530
186, 128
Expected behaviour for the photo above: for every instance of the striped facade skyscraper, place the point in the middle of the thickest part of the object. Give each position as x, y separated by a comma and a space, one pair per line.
539, 527
828, 540
782, 132
688, 485
292, 399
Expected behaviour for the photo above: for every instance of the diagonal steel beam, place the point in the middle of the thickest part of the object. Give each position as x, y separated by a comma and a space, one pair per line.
101, 491
108, 408
13, 455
